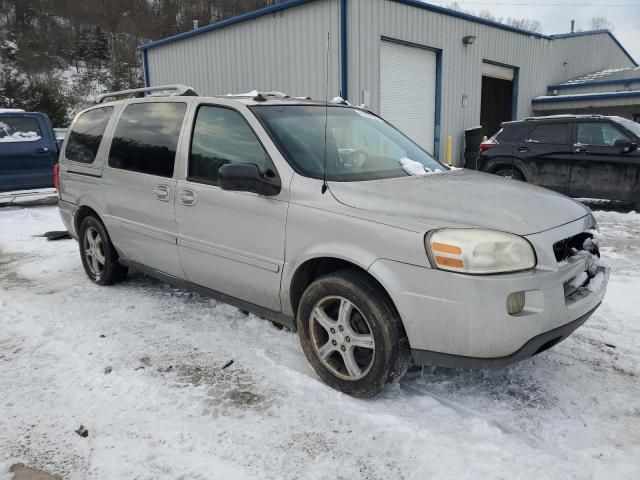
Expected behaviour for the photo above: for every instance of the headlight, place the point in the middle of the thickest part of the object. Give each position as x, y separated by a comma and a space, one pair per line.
476, 251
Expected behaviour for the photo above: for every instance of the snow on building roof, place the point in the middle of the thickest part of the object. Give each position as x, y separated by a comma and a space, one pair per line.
586, 96
611, 75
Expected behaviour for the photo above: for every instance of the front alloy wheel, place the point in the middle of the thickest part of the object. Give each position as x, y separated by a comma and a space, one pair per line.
342, 338
352, 334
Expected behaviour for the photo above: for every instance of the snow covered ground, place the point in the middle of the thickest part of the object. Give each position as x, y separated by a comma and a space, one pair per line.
140, 365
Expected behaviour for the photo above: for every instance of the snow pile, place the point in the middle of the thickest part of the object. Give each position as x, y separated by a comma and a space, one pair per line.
339, 101
413, 167
168, 409
15, 136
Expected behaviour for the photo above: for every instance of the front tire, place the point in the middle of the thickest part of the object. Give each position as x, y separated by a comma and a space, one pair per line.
351, 334
513, 173
99, 257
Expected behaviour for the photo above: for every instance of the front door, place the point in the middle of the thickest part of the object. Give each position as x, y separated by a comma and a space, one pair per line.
139, 187
546, 151
600, 169
231, 242
27, 153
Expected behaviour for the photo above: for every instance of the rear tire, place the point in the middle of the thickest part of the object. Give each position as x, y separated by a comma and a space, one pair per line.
99, 257
513, 173
351, 334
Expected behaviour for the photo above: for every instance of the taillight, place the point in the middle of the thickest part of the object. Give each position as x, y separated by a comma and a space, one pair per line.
487, 145
56, 178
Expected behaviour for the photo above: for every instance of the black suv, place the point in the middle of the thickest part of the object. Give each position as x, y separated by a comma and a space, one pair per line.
585, 156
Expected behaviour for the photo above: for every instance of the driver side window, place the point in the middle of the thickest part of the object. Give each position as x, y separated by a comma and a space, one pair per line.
222, 136
601, 134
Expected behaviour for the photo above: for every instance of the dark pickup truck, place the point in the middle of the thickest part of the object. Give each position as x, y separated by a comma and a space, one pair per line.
28, 150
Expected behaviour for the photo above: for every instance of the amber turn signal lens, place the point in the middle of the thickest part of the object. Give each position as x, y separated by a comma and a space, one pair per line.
446, 248
449, 262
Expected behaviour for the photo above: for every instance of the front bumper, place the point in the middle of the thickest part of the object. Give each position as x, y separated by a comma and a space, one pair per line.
461, 320
536, 345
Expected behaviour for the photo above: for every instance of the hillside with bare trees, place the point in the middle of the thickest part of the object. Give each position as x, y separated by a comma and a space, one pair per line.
57, 55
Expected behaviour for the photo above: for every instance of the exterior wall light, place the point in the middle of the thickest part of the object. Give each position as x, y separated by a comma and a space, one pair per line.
468, 40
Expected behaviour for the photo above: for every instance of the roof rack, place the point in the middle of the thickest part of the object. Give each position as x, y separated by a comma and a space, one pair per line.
560, 116
180, 90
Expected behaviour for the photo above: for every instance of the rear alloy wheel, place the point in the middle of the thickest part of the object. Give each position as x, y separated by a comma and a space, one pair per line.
513, 173
351, 334
99, 258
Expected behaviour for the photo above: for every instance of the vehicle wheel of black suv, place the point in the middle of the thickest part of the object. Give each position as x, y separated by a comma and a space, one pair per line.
510, 173
351, 334
99, 258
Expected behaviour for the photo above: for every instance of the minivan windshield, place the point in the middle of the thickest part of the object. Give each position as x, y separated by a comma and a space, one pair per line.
359, 146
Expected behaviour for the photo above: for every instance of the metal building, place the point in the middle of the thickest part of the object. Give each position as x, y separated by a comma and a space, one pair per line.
614, 91
431, 71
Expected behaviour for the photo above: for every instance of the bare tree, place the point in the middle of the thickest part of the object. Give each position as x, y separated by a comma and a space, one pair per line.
522, 23
601, 23
525, 24
486, 14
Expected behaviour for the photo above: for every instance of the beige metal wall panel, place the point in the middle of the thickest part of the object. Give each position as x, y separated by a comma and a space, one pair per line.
284, 51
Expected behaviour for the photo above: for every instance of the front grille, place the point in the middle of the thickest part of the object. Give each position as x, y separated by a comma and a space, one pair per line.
568, 247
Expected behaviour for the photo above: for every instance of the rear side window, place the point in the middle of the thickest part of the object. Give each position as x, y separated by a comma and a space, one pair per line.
84, 139
511, 133
19, 129
556, 133
222, 136
146, 138
599, 134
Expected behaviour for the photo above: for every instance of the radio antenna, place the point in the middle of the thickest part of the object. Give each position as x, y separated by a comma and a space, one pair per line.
326, 116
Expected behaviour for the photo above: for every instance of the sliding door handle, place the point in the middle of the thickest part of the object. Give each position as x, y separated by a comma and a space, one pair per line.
187, 197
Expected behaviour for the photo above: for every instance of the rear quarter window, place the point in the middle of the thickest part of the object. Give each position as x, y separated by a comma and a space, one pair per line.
86, 135
512, 133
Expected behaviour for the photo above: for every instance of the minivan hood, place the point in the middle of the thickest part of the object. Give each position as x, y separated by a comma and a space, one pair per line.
462, 198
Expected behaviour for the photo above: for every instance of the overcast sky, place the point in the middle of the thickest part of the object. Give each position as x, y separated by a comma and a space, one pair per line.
556, 15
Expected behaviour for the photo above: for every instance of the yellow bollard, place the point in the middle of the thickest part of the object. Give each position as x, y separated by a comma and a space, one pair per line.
449, 150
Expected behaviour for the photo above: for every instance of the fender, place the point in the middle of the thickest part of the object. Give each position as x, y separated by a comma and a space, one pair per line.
508, 161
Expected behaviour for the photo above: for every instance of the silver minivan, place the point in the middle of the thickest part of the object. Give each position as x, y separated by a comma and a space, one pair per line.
326, 219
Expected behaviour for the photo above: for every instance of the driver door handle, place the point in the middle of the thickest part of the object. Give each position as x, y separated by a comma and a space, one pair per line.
581, 150
161, 192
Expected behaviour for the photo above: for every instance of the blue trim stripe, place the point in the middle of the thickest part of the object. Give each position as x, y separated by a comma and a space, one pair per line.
515, 90
145, 68
586, 96
466, 16
343, 50
226, 23
592, 83
438, 106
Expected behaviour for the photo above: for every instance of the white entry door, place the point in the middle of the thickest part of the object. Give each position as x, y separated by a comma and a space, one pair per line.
408, 90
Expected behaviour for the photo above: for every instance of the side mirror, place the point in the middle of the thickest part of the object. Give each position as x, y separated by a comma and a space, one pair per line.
246, 177
625, 145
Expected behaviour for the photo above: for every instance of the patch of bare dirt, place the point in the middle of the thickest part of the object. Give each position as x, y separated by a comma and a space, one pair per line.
22, 472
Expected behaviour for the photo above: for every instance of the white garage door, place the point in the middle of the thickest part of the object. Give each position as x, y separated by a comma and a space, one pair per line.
408, 90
